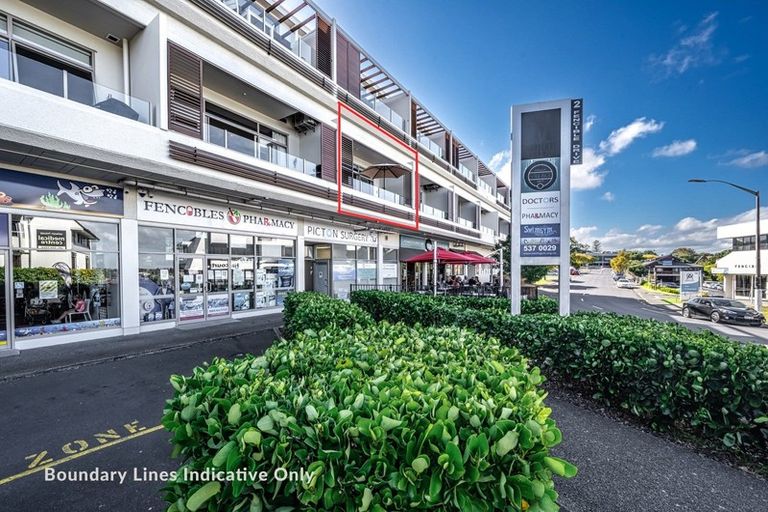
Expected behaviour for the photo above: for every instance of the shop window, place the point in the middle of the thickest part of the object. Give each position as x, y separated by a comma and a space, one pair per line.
243, 281
190, 242
342, 252
275, 247
389, 271
241, 245
65, 275
5, 60
344, 275
153, 239
218, 243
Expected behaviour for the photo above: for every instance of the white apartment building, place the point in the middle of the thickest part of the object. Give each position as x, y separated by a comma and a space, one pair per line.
738, 267
177, 161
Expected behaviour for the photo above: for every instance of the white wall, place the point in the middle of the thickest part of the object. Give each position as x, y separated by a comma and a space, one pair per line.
147, 51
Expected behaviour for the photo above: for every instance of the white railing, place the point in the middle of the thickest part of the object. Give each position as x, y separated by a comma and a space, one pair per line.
254, 15
464, 171
484, 187
465, 222
432, 211
501, 198
488, 232
375, 191
385, 111
430, 144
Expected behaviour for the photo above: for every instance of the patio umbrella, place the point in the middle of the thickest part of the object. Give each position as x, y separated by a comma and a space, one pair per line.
443, 256
479, 259
384, 171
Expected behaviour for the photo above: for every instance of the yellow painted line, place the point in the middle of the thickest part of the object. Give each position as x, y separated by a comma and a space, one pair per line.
77, 455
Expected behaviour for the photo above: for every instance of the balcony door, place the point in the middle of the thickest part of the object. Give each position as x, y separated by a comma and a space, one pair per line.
5, 294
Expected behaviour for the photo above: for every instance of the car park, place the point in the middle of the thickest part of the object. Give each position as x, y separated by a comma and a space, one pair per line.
722, 310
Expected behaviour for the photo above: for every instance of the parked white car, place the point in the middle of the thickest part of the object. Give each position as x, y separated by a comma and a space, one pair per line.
624, 283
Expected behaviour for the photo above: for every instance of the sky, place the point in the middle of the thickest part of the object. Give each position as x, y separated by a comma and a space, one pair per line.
672, 91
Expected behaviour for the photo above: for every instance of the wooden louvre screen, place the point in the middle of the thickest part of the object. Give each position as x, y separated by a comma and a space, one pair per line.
346, 161
185, 91
324, 55
328, 154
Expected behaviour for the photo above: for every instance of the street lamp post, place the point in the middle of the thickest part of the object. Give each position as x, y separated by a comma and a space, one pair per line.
758, 274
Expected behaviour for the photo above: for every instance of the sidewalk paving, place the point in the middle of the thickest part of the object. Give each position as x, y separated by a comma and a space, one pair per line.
33, 361
655, 298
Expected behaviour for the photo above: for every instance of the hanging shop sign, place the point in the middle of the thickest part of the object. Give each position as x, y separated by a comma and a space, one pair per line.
40, 192
183, 211
328, 233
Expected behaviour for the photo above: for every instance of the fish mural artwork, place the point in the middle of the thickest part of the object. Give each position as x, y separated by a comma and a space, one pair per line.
26, 190
87, 195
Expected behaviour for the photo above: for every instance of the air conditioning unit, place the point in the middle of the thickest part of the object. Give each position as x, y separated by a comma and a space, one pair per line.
430, 187
303, 123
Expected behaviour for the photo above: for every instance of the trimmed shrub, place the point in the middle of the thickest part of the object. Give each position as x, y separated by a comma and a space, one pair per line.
382, 418
413, 308
664, 373
311, 310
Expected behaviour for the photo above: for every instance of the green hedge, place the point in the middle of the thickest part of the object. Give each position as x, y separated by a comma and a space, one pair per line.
311, 310
665, 374
413, 308
383, 418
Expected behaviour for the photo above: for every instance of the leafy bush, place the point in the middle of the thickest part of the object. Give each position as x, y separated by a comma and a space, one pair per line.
665, 374
311, 310
413, 308
386, 417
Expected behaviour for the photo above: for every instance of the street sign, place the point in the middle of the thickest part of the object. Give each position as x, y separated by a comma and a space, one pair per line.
546, 141
690, 283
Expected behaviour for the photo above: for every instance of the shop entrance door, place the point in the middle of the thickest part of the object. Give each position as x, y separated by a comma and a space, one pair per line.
5, 294
203, 284
320, 277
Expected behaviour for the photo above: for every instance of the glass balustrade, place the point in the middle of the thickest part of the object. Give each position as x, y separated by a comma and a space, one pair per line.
430, 144
434, 212
488, 232
464, 171
484, 187
385, 111
501, 198
465, 222
373, 190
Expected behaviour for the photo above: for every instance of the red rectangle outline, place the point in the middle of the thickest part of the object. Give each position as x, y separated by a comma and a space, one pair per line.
415, 153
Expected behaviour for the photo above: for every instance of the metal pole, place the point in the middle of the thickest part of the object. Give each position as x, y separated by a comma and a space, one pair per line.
758, 273
501, 269
434, 270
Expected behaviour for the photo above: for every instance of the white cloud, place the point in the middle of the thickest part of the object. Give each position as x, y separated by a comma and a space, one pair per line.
676, 148
501, 164
621, 138
691, 232
608, 196
692, 50
583, 233
750, 160
589, 122
587, 175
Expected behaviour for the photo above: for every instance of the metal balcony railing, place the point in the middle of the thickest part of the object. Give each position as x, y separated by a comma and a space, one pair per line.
434, 212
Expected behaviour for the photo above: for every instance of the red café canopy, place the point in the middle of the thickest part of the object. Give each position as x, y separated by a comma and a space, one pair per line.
446, 256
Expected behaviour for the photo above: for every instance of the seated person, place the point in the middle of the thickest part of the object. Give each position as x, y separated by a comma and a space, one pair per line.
78, 307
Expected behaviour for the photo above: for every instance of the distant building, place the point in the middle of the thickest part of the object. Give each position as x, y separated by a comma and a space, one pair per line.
601, 259
738, 267
665, 270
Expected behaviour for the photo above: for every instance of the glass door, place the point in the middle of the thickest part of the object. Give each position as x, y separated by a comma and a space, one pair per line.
217, 296
5, 341
191, 285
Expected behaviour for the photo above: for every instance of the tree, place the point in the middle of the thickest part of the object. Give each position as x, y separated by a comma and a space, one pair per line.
596, 246
620, 263
685, 254
579, 259
577, 246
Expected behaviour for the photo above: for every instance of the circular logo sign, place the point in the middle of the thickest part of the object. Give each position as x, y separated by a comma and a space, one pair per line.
540, 175
233, 216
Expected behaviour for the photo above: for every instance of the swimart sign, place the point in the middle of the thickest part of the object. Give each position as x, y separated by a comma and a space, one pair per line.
169, 209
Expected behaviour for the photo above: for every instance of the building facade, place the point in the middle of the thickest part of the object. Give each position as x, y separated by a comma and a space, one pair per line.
176, 161
738, 266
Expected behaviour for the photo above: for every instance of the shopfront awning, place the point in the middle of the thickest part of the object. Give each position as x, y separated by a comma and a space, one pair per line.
443, 256
478, 258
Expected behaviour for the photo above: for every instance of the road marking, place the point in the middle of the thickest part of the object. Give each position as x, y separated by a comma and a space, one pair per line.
597, 307
36, 467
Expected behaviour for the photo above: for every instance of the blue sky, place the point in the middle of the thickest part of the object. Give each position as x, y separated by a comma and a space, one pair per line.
674, 91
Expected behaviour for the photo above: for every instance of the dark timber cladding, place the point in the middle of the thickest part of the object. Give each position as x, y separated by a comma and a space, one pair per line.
347, 65
328, 154
347, 152
324, 55
185, 91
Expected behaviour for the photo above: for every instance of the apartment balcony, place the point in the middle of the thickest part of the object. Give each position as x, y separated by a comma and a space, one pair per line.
501, 198
282, 30
466, 223
385, 111
487, 233
38, 72
429, 144
433, 212
464, 171
373, 190
485, 188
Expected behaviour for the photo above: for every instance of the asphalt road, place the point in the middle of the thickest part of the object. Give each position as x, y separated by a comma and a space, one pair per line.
596, 291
